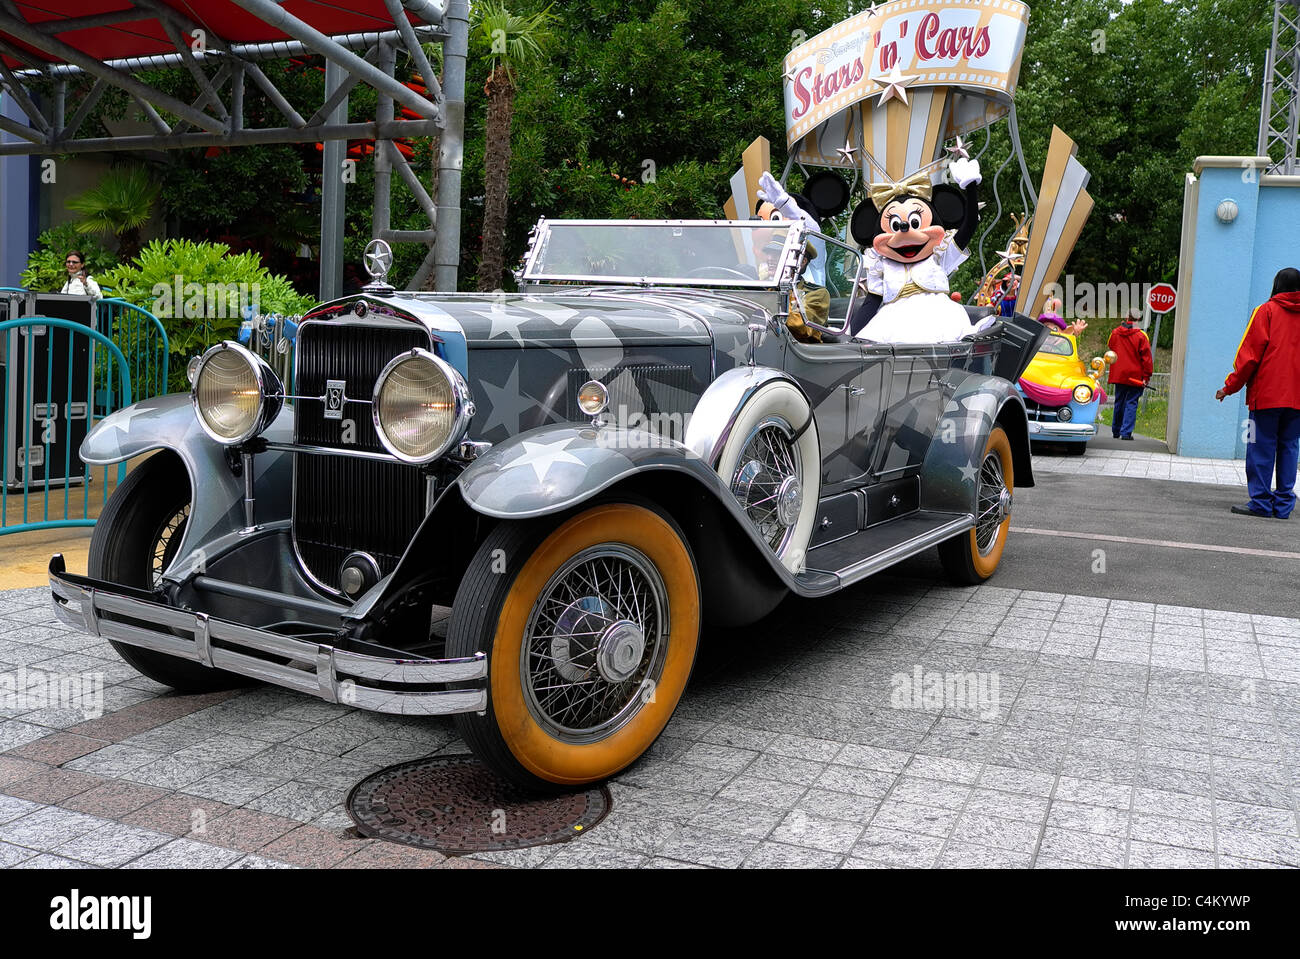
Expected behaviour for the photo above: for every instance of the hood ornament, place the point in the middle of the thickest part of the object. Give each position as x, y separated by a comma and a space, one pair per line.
378, 260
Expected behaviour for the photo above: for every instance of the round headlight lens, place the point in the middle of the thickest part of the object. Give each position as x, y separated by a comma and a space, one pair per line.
1082, 393
234, 392
593, 397
421, 406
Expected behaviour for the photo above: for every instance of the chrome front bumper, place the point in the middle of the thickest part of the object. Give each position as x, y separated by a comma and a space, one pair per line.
332, 674
1055, 429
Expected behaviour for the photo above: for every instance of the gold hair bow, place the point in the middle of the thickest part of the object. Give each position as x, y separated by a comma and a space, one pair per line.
918, 184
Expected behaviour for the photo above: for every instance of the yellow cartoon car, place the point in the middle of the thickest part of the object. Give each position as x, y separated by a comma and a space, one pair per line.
1062, 394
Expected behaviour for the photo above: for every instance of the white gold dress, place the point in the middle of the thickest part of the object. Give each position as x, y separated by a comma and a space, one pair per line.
915, 305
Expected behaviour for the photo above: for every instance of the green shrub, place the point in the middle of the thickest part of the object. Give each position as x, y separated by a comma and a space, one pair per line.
45, 272
200, 291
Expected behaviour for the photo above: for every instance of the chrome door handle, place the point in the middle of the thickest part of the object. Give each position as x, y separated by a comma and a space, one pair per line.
853, 390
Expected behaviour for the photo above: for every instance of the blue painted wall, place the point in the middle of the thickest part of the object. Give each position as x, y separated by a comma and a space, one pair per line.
18, 199
1233, 270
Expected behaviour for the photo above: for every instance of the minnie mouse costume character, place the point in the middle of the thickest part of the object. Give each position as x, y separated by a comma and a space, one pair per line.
913, 236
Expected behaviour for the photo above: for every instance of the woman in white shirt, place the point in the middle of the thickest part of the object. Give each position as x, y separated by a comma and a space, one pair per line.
79, 281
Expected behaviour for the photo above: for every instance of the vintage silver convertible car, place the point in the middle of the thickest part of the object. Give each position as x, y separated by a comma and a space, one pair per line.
585, 472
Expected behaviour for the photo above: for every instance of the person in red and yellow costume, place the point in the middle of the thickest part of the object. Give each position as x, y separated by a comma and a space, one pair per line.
1268, 365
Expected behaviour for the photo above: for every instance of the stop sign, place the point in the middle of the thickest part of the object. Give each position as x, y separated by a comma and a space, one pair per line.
1161, 298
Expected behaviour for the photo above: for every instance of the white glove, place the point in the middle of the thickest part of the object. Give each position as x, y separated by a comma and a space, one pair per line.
965, 172
775, 194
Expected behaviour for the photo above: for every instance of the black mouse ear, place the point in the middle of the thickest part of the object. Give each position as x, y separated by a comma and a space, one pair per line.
828, 193
949, 205
865, 223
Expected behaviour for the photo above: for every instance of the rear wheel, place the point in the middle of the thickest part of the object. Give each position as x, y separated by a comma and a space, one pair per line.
590, 629
135, 539
973, 556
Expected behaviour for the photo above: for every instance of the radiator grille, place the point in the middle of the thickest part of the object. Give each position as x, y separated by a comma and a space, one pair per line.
356, 354
650, 390
343, 504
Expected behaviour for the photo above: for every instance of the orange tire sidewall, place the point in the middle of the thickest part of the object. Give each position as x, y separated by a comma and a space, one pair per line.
533, 747
998, 442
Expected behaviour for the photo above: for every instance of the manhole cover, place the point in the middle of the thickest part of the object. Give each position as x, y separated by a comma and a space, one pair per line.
454, 804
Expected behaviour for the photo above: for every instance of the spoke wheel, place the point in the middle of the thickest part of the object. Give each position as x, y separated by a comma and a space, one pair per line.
771, 463
590, 633
595, 643
768, 481
973, 556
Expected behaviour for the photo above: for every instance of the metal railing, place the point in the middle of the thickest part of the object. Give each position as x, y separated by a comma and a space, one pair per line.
44, 422
143, 341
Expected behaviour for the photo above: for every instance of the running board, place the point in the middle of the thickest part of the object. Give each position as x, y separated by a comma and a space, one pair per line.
845, 561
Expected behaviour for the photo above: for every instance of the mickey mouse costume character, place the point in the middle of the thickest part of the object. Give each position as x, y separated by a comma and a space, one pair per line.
913, 236
831, 195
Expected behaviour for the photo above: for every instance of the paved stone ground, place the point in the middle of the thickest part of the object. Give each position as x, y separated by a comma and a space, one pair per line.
1121, 734
1147, 465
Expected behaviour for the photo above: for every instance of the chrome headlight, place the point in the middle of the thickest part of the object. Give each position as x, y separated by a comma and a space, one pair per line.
1083, 393
421, 406
1065, 414
236, 394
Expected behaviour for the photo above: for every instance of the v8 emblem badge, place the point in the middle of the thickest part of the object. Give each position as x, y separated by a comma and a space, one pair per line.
334, 398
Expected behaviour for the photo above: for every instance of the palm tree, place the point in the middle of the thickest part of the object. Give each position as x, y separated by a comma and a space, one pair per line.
120, 205
513, 42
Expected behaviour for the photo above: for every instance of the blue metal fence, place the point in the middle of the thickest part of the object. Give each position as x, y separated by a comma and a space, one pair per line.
142, 339
43, 424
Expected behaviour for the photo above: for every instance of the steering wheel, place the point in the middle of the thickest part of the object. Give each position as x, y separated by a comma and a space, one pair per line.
702, 270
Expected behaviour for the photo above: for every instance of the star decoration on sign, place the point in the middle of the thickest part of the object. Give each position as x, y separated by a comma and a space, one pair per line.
846, 152
789, 75
542, 456
958, 149
873, 12
893, 86
968, 472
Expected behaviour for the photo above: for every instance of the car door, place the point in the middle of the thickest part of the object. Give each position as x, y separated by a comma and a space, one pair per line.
913, 404
845, 383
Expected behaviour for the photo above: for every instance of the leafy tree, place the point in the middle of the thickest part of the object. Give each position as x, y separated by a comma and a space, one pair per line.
120, 205
199, 291
45, 270
513, 42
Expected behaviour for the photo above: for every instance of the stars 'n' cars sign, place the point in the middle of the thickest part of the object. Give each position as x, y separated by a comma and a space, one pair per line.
967, 45
1161, 298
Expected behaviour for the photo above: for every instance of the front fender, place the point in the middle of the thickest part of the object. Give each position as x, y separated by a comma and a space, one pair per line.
216, 516
948, 475
553, 468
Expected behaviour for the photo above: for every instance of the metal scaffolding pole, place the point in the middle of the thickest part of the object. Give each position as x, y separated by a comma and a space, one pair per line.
451, 146
226, 76
1279, 115
332, 188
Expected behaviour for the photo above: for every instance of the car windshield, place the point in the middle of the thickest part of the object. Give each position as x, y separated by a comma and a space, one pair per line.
1057, 345
701, 252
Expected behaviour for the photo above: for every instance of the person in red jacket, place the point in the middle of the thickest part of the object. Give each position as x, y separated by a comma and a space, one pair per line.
1129, 374
1268, 365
